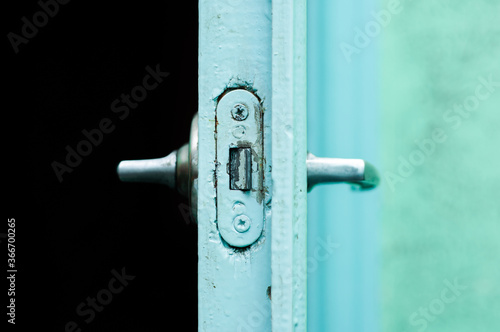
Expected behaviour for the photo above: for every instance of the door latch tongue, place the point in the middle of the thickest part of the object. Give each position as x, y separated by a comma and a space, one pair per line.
240, 169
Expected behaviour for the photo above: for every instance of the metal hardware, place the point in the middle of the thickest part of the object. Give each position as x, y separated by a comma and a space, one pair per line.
357, 172
239, 112
178, 170
240, 167
160, 170
241, 180
241, 223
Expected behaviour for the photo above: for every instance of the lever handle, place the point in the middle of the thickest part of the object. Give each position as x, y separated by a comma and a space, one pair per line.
336, 170
160, 170
178, 170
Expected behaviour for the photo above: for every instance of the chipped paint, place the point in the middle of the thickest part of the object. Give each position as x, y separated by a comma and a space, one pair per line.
234, 53
289, 150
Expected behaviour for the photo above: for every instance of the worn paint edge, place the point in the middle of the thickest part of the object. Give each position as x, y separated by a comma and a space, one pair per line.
289, 151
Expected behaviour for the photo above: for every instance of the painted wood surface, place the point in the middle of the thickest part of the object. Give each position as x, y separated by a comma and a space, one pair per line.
234, 291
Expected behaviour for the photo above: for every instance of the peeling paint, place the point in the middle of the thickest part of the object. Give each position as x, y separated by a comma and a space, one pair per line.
234, 53
237, 83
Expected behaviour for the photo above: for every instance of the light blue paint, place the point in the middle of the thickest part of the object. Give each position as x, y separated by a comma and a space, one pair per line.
289, 175
234, 51
342, 122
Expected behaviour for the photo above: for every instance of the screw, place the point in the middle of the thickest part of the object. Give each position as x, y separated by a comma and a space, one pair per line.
239, 112
241, 223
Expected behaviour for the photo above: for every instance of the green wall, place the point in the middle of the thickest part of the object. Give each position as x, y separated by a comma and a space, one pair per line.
441, 206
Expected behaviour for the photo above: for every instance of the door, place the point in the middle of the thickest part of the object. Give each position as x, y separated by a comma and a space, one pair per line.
244, 168
247, 170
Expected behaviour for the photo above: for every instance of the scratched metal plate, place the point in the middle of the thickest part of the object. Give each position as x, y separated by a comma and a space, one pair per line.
232, 133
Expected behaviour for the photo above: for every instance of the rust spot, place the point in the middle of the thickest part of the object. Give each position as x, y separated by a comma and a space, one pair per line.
215, 174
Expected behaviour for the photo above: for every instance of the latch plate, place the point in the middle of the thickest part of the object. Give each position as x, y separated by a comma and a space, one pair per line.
240, 168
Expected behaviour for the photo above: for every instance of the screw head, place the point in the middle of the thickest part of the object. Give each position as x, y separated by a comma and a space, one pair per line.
239, 112
241, 223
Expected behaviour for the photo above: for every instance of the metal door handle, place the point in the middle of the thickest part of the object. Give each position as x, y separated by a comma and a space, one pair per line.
165, 171
179, 170
357, 172
159, 170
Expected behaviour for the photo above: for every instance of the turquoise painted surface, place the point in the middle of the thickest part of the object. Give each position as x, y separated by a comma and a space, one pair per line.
343, 121
234, 48
404, 84
441, 218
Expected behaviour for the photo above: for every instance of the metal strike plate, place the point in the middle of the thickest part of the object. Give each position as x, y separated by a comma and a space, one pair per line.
240, 194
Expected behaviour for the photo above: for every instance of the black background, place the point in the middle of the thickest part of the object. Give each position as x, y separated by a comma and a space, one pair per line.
70, 235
